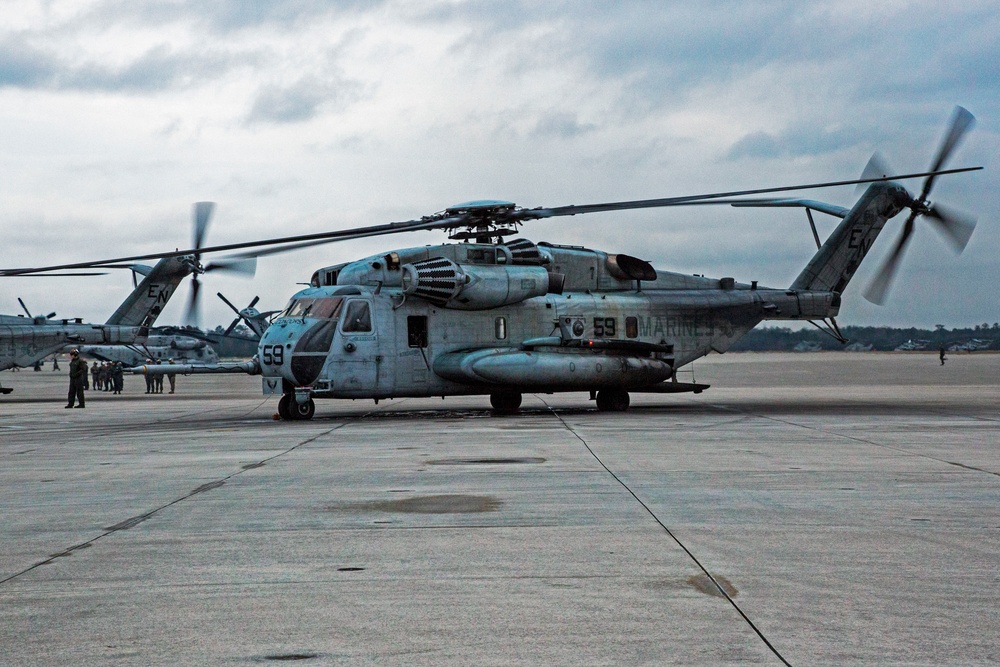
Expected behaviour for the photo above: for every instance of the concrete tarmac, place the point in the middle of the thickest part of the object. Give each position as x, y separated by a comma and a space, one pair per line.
847, 504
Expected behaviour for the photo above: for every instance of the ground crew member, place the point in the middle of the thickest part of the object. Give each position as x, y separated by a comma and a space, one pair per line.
77, 379
149, 379
118, 377
171, 377
95, 373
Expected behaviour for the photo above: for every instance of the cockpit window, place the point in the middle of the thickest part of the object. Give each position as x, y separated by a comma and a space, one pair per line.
323, 308
358, 317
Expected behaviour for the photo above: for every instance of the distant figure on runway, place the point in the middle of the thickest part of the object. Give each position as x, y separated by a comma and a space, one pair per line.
171, 377
77, 379
95, 373
158, 379
55, 363
149, 379
941, 355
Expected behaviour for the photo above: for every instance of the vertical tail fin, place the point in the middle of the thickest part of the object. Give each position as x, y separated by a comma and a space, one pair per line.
146, 301
834, 264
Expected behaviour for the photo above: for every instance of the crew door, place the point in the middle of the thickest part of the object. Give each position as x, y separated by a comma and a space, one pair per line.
357, 370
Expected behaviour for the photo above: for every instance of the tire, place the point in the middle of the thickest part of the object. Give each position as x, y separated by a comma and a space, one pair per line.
612, 400
505, 403
304, 411
283, 410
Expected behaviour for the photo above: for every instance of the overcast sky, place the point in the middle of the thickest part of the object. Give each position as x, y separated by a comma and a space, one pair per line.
300, 116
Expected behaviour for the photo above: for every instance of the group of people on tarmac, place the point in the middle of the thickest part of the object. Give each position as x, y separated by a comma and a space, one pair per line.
108, 376
154, 383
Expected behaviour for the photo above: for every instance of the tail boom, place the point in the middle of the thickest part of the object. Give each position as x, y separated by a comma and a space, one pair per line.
834, 264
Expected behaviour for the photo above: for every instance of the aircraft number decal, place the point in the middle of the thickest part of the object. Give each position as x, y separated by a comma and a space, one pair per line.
604, 327
273, 355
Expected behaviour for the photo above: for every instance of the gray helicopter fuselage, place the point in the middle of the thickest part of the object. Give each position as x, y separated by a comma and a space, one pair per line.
23, 340
469, 319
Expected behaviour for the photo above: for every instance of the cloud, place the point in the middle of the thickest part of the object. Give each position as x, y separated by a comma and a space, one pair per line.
160, 68
227, 16
23, 66
564, 125
301, 100
803, 140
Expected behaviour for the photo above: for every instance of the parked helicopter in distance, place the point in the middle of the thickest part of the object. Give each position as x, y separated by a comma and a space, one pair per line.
27, 340
502, 317
181, 348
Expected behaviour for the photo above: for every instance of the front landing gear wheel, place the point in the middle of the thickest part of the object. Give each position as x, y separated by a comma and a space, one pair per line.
612, 400
302, 410
283, 410
505, 403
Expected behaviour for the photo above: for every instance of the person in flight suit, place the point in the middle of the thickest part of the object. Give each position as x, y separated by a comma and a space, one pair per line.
77, 379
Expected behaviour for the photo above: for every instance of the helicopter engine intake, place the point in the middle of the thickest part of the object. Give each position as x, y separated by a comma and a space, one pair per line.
468, 287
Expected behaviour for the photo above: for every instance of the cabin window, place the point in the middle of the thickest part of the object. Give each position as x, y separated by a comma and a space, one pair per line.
358, 317
500, 328
632, 327
416, 330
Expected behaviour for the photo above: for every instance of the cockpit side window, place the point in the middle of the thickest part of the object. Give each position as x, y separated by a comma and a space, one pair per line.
327, 308
357, 317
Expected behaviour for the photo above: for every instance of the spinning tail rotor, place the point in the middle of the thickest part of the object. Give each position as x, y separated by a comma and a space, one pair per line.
202, 214
956, 227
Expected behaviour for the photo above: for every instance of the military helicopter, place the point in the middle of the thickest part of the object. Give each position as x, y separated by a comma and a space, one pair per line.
499, 317
27, 340
179, 347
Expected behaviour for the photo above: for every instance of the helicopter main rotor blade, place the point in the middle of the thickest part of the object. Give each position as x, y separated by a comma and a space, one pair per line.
534, 213
24, 307
462, 220
309, 240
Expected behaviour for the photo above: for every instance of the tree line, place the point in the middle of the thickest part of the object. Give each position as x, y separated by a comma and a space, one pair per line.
776, 339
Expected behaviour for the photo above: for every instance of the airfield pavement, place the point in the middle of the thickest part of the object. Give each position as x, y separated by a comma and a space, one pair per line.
849, 505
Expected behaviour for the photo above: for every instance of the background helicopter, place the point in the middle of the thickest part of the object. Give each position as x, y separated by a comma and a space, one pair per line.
498, 317
185, 348
27, 340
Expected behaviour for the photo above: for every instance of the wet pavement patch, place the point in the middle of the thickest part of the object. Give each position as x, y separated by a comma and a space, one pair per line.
700, 582
703, 584
487, 461
442, 504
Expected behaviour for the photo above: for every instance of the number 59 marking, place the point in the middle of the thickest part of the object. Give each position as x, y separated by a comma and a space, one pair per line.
273, 355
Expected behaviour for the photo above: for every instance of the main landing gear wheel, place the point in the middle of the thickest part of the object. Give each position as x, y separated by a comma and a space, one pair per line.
290, 409
302, 411
612, 400
505, 403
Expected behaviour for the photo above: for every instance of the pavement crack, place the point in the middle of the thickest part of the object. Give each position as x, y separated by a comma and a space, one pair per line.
722, 589
132, 522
